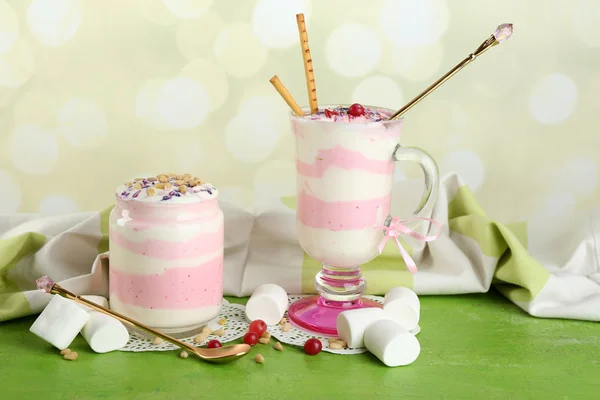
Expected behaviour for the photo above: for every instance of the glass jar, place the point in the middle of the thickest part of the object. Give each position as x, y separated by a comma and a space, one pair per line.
166, 253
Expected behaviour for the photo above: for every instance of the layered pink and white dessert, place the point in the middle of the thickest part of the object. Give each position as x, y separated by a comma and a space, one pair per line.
166, 252
344, 182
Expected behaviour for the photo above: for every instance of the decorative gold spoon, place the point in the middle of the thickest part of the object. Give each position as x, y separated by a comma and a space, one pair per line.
502, 33
218, 355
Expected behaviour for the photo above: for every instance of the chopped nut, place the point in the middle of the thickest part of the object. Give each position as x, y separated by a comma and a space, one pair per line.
342, 343
150, 191
222, 321
137, 186
65, 351
71, 356
200, 337
171, 175
219, 332
183, 189
160, 186
186, 179
183, 354
167, 185
263, 340
286, 327
192, 183
151, 179
179, 177
206, 330
163, 179
335, 345
179, 182
187, 175
283, 321
138, 179
266, 335
278, 346
259, 359
157, 341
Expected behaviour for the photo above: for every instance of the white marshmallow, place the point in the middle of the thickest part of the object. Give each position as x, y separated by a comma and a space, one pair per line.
101, 301
391, 343
402, 305
60, 322
268, 302
352, 324
104, 333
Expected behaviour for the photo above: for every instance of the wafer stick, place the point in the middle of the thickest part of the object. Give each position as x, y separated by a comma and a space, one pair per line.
308, 68
282, 90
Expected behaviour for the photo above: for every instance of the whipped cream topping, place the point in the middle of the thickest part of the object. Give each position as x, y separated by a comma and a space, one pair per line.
341, 114
167, 188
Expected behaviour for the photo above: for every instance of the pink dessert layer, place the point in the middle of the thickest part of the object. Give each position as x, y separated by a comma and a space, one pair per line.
344, 159
341, 216
176, 288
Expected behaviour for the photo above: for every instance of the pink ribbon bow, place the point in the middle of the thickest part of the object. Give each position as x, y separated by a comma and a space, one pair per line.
397, 228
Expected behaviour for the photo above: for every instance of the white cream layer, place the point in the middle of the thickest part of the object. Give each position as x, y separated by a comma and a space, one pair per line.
340, 248
376, 143
341, 185
163, 318
138, 264
181, 232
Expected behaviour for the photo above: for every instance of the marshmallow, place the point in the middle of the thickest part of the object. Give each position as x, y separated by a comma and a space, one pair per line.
268, 302
391, 343
352, 324
104, 333
60, 322
402, 305
101, 301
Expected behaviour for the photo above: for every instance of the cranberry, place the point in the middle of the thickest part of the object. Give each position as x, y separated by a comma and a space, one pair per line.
356, 110
312, 346
213, 344
258, 326
251, 338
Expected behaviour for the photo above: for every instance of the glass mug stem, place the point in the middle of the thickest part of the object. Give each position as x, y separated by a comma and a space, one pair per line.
340, 283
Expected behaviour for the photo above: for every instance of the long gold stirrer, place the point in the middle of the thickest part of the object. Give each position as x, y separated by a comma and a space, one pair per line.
502, 33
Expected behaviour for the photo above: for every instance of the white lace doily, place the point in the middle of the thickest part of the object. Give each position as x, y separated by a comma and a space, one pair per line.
235, 327
297, 336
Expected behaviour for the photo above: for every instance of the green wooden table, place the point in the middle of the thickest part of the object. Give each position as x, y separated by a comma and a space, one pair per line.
472, 347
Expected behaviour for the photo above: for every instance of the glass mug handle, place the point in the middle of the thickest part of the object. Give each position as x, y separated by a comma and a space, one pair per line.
432, 178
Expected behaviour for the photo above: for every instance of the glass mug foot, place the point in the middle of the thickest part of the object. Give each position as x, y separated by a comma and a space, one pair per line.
319, 315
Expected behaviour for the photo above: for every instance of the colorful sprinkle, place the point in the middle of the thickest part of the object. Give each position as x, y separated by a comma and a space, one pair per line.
165, 187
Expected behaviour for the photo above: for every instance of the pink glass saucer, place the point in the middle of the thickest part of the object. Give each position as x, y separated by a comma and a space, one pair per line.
319, 315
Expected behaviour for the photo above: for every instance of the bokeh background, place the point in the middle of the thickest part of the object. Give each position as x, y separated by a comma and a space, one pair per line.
93, 92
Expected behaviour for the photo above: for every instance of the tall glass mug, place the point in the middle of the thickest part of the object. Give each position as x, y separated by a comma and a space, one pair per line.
344, 184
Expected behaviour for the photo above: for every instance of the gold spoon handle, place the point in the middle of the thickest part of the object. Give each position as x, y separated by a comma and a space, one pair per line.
502, 33
57, 289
